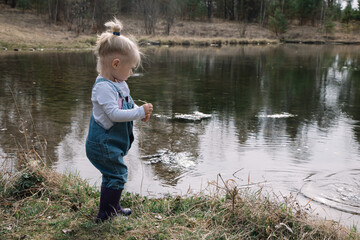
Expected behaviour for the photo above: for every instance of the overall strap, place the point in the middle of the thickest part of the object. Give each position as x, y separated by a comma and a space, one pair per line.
112, 85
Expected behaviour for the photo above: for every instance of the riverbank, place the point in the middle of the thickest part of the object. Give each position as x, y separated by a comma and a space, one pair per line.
38, 203
27, 31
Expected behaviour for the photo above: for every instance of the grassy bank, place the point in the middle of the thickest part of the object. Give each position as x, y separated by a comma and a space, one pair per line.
89, 42
206, 42
38, 203
41, 204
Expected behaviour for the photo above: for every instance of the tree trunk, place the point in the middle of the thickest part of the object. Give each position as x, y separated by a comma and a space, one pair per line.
322, 16
13, 3
262, 13
93, 16
236, 15
209, 9
225, 9
56, 11
242, 10
49, 5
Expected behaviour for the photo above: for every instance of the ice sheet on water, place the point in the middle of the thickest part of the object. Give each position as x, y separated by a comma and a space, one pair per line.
137, 75
194, 117
278, 115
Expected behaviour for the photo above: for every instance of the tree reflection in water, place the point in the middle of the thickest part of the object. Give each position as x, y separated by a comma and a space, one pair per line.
317, 85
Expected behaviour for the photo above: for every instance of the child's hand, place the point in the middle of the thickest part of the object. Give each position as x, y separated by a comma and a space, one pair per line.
148, 108
146, 118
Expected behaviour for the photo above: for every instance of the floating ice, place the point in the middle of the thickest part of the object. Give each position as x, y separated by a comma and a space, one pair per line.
279, 115
194, 117
161, 116
137, 75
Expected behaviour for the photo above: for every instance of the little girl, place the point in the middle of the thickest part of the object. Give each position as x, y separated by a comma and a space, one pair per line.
111, 127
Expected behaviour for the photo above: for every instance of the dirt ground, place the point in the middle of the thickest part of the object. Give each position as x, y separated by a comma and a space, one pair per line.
27, 29
32, 30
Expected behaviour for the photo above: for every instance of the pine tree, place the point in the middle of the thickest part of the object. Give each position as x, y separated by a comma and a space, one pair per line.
277, 22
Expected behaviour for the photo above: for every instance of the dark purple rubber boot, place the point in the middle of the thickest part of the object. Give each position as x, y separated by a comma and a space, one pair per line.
109, 204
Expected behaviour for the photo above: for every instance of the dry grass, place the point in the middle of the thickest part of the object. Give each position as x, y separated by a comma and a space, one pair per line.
37, 203
196, 41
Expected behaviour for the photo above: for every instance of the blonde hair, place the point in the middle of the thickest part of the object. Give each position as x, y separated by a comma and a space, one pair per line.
110, 43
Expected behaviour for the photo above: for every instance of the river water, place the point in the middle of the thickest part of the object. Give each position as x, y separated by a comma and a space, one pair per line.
286, 118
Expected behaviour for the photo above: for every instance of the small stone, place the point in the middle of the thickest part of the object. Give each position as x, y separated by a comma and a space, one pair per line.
67, 230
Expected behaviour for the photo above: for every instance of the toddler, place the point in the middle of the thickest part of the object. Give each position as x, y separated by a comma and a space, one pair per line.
111, 124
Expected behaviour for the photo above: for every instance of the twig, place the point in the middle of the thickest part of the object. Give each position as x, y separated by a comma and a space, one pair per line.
139, 100
21, 119
237, 172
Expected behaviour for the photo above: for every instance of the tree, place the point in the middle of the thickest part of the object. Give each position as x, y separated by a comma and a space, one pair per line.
77, 12
193, 9
13, 3
169, 10
329, 26
277, 23
102, 11
307, 9
357, 12
23, 4
148, 11
262, 12
209, 7
348, 13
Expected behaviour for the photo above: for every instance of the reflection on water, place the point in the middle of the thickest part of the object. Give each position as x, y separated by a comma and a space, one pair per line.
286, 115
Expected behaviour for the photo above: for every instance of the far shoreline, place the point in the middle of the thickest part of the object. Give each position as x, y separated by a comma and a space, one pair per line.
88, 43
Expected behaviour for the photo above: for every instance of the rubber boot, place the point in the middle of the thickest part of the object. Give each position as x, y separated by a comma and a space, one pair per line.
109, 204
109, 200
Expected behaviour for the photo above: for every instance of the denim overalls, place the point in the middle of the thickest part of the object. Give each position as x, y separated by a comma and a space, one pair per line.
106, 148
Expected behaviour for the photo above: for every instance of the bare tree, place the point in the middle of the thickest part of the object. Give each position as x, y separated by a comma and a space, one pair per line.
77, 12
169, 11
13, 3
262, 12
209, 6
236, 15
148, 11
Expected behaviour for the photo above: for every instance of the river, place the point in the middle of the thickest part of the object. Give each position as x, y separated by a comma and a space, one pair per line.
285, 118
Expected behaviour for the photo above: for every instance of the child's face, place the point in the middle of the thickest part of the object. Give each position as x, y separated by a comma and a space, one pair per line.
122, 70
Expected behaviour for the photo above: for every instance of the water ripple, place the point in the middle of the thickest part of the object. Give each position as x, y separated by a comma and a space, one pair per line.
338, 190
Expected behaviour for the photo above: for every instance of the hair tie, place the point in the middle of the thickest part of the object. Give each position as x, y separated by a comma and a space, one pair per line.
116, 33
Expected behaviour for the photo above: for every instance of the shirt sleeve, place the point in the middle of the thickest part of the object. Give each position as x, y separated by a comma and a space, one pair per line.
106, 97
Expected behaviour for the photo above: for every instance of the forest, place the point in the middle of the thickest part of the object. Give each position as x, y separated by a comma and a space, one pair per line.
84, 15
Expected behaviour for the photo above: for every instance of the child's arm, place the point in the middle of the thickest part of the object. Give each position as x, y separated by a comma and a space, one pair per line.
105, 96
